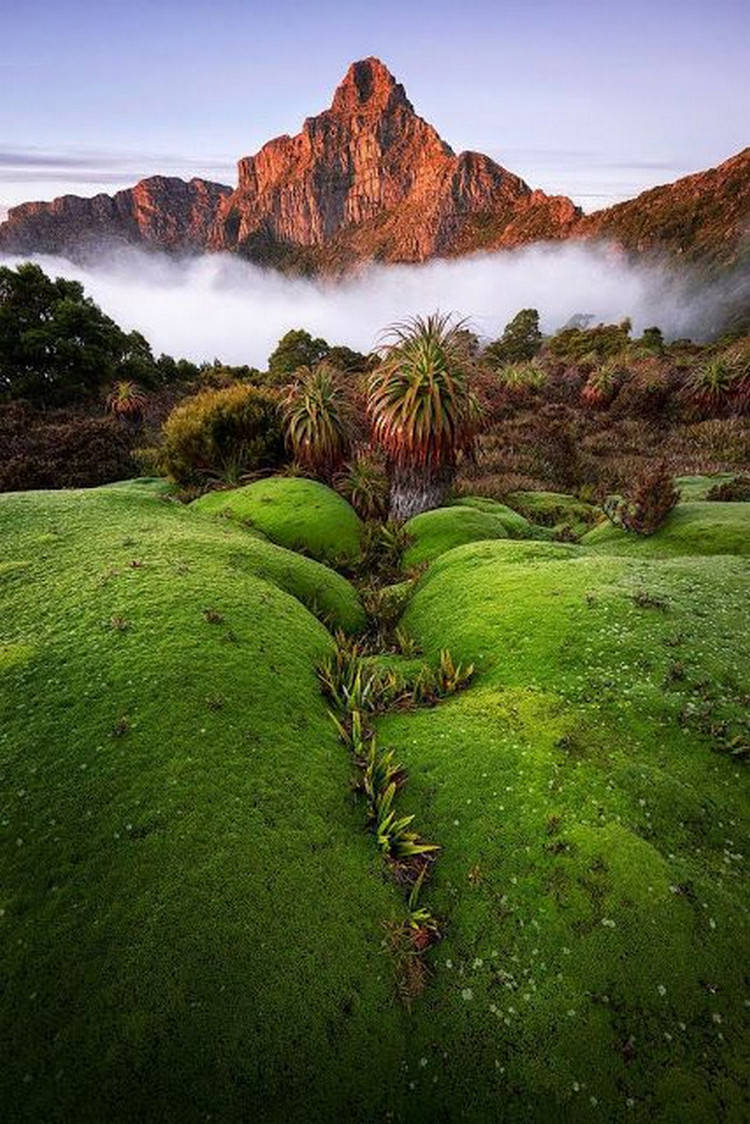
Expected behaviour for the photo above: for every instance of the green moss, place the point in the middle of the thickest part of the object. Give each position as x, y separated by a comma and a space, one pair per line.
434, 532
555, 509
697, 487
294, 512
587, 825
191, 916
691, 528
516, 525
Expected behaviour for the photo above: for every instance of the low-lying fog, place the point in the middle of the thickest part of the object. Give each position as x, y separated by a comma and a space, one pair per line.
220, 306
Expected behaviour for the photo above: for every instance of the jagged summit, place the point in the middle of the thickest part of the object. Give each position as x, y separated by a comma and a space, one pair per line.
368, 86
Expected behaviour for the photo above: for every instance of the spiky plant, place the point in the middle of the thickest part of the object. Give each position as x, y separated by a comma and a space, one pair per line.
519, 377
422, 409
720, 385
602, 384
318, 422
365, 485
126, 401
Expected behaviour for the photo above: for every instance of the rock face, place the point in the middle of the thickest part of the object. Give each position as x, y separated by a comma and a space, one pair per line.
162, 211
369, 179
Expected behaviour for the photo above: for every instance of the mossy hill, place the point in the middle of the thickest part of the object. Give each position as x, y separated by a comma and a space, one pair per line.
193, 915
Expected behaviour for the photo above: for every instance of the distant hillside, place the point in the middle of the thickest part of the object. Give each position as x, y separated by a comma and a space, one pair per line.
703, 218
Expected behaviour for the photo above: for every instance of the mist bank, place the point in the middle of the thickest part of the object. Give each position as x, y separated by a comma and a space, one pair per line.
220, 306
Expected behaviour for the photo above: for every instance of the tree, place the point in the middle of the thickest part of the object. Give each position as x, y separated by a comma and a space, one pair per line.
318, 419
520, 341
294, 350
423, 411
56, 345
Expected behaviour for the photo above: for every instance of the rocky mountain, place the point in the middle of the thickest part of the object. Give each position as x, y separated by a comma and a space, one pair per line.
163, 211
368, 179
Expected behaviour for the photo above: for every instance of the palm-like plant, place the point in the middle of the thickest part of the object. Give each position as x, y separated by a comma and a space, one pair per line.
318, 421
719, 385
126, 401
422, 409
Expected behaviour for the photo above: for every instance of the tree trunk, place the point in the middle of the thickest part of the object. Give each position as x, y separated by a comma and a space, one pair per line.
414, 490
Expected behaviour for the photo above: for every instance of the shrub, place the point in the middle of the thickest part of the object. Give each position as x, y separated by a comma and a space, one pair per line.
602, 384
60, 450
222, 434
731, 491
645, 508
126, 401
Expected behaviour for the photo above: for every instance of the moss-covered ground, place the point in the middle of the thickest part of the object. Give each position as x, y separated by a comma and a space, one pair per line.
696, 528
192, 914
595, 834
293, 512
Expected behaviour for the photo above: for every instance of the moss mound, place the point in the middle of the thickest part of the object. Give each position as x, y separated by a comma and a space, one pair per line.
293, 512
555, 509
517, 526
691, 528
593, 825
434, 532
191, 913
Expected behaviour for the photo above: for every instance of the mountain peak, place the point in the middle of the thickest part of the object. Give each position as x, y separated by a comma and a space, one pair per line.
368, 86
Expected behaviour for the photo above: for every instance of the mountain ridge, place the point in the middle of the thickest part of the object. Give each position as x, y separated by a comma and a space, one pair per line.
368, 179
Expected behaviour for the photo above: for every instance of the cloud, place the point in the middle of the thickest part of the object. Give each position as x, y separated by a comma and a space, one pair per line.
220, 306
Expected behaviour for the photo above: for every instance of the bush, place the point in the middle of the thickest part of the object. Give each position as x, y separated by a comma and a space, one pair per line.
224, 434
645, 508
60, 450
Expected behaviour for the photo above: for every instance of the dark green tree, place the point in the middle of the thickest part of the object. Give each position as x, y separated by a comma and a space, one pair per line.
294, 350
56, 345
520, 341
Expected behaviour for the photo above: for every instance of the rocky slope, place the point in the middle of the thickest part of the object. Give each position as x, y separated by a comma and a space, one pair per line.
703, 218
368, 179
161, 211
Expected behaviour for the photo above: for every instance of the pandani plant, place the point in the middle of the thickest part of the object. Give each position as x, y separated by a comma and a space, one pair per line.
126, 401
318, 419
422, 409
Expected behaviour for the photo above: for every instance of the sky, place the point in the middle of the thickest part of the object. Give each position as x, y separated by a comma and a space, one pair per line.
588, 99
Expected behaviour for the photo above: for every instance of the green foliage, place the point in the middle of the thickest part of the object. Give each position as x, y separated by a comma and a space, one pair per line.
56, 345
520, 341
573, 345
722, 384
521, 376
294, 350
222, 435
318, 419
